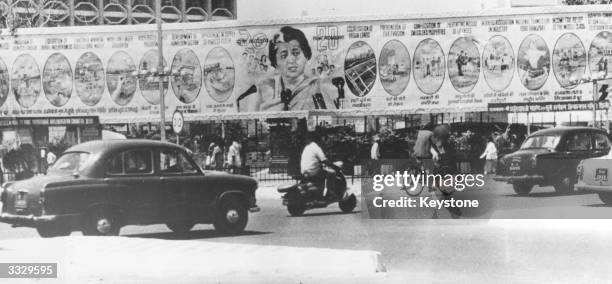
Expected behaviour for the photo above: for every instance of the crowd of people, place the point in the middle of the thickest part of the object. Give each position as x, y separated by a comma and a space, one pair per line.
465, 152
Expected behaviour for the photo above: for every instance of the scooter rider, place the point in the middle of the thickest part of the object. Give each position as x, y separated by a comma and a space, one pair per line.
312, 161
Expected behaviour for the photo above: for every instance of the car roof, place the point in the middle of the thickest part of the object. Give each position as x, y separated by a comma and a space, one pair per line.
98, 146
564, 129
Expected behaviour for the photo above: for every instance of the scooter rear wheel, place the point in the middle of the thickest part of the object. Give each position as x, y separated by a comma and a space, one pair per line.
348, 204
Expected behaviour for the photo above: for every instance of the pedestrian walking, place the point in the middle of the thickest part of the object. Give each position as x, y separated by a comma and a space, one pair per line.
490, 156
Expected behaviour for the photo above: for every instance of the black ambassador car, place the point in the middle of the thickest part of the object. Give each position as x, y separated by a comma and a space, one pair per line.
550, 157
98, 187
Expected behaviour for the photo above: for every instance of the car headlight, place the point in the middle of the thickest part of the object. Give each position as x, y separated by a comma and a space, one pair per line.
580, 170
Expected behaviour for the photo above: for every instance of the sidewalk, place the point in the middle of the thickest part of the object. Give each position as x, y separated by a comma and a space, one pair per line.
134, 260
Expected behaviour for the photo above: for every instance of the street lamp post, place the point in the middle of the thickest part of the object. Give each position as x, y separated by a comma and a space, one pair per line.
162, 100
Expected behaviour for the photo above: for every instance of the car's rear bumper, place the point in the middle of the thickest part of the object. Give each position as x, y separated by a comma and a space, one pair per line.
523, 178
590, 187
254, 209
26, 220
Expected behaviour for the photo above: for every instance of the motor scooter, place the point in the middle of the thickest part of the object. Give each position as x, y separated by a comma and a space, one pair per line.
305, 195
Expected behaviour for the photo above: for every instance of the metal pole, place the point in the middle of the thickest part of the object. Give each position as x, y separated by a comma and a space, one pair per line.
594, 103
160, 70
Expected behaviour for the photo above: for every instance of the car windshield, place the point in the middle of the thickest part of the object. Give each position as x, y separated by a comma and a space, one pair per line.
542, 141
71, 161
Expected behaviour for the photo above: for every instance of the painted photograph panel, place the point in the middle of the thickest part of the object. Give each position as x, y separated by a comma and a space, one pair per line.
187, 83
4, 82
600, 54
464, 64
57, 79
187, 76
533, 62
25, 80
429, 66
89, 78
498, 59
360, 68
219, 74
569, 60
149, 84
394, 67
120, 78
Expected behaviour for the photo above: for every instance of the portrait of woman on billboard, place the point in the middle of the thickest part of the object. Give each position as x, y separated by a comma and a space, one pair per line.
290, 87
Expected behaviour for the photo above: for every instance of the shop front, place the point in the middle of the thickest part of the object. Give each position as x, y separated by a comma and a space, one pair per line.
28, 142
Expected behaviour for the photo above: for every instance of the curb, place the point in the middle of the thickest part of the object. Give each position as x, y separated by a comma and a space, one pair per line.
137, 260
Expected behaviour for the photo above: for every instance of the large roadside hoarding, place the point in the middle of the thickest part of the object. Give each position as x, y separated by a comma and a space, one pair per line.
396, 64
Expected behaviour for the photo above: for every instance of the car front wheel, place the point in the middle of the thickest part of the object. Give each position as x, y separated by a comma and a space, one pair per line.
522, 188
101, 222
606, 197
564, 185
232, 216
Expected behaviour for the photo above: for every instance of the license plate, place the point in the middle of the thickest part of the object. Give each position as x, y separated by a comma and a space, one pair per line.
20, 201
601, 175
515, 167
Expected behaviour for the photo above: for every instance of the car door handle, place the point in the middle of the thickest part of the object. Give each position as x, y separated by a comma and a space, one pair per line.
162, 178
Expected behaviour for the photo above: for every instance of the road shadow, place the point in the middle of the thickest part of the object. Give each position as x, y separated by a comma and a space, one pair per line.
326, 214
598, 205
547, 194
193, 235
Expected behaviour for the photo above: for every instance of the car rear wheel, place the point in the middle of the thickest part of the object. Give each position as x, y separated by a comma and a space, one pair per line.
50, 230
522, 188
181, 226
101, 222
564, 185
232, 216
606, 197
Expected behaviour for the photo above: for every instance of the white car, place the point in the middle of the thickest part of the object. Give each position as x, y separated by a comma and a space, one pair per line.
594, 175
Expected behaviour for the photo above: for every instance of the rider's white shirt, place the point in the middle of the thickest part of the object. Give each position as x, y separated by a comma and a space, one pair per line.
311, 159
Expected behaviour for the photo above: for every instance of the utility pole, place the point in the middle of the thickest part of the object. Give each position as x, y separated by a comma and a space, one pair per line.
594, 102
160, 70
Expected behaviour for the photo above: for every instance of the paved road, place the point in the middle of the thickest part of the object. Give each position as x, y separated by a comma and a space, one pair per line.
444, 249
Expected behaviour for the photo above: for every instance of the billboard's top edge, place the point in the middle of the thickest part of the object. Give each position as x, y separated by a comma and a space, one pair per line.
310, 20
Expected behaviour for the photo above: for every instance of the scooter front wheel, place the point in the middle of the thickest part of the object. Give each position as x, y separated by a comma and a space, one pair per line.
295, 204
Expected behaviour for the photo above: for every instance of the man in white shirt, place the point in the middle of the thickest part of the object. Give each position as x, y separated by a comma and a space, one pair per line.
312, 161
233, 157
375, 155
375, 151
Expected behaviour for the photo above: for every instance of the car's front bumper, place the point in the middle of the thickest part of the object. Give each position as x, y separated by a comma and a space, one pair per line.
26, 220
536, 179
581, 186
